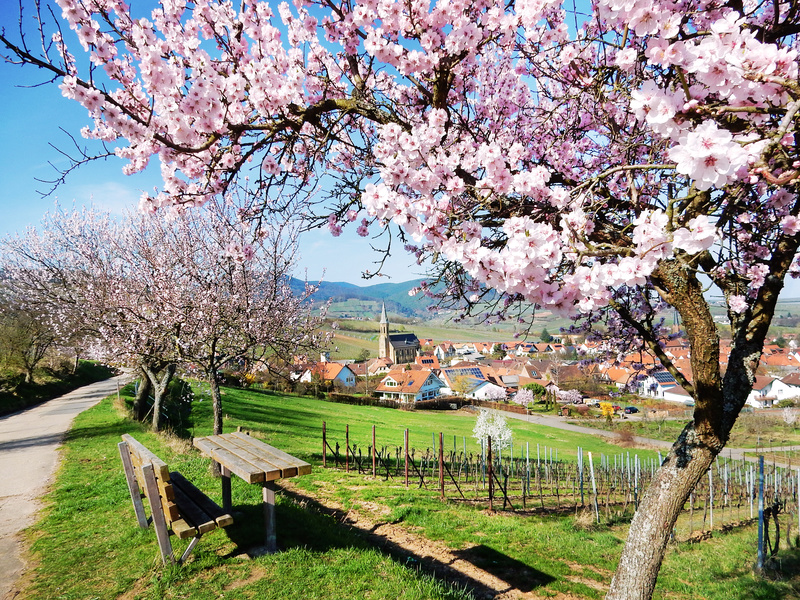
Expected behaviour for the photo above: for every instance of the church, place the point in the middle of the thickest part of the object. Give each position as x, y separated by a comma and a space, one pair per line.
400, 348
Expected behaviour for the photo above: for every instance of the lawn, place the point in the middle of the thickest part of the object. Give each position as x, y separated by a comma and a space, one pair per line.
87, 544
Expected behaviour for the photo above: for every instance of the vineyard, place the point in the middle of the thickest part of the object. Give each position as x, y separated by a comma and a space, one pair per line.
606, 487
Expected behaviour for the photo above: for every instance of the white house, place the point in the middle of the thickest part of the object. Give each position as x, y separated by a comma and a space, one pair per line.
486, 390
760, 396
330, 371
410, 385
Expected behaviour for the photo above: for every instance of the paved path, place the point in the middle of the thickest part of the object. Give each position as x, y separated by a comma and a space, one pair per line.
29, 442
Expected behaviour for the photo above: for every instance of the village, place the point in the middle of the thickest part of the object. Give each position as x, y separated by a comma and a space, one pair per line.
409, 369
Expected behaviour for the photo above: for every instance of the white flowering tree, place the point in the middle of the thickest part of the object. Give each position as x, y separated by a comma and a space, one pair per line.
524, 397
494, 425
602, 164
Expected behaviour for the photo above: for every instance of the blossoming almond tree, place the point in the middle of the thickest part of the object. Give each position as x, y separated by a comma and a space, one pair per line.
196, 291
619, 159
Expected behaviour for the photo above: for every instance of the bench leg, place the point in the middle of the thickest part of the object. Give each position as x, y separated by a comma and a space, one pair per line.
133, 485
159, 522
268, 492
226, 488
189, 549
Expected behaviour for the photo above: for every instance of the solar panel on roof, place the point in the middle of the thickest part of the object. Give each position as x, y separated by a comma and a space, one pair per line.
663, 377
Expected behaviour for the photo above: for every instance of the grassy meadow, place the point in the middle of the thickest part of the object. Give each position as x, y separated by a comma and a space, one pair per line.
87, 543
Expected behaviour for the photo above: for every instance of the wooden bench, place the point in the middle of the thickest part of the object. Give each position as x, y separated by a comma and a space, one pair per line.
175, 503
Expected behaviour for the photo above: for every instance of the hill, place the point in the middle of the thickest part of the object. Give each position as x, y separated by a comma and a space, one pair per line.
364, 302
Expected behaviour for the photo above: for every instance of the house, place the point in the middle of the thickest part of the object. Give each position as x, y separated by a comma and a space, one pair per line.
760, 396
379, 366
486, 390
444, 351
677, 394
428, 361
409, 385
656, 384
335, 373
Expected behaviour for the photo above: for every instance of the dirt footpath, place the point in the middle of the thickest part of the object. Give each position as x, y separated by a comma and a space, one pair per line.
29, 442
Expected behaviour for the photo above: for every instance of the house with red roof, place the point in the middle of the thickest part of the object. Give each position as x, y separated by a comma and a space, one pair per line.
335, 373
409, 385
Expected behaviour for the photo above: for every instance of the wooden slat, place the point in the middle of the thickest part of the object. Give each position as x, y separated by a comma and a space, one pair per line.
133, 484
272, 469
211, 508
141, 456
225, 457
191, 512
183, 529
146, 455
303, 468
160, 525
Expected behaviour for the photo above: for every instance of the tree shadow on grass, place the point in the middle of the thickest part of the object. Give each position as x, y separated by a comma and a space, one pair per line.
304, 522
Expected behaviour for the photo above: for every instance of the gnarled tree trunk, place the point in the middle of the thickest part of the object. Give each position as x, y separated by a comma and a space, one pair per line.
159, 381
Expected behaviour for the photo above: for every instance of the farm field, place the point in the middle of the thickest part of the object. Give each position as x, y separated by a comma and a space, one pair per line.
346, 535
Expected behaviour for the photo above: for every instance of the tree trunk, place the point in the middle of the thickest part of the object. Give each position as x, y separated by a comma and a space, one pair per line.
142, 392
159, 381
216, 401
688, 460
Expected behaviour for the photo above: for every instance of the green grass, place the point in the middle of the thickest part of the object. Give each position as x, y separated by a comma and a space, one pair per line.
87, 544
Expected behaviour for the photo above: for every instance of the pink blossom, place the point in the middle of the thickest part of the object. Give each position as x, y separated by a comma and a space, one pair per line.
738, 304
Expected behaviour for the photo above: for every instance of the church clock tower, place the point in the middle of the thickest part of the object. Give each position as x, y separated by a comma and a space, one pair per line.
384, 350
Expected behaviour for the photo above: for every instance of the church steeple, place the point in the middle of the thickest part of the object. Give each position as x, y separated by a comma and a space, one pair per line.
384, 350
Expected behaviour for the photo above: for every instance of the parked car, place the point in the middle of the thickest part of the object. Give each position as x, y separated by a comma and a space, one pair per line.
617, 408
629, 410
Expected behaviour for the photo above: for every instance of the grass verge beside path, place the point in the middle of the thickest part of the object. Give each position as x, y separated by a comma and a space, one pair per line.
87, 545
50, 386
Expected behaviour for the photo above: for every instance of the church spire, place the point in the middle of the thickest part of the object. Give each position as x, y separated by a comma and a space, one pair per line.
384, 320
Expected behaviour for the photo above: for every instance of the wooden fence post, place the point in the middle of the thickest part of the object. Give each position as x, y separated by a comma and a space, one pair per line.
373, 450
324, 443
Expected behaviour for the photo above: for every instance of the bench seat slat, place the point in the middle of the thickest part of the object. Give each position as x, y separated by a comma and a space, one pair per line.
210, 508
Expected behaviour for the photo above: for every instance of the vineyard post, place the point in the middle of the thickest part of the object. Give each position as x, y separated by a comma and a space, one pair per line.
324, 443
441, 464
711, 499
594, 488
580, 473
491, 470
347, 448
405, 444
528, 466
373, 451
760, 552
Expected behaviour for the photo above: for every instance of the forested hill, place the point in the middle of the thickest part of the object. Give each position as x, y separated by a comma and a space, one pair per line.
348, 297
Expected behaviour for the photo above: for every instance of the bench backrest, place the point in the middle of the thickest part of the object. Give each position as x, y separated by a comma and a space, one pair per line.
141, 456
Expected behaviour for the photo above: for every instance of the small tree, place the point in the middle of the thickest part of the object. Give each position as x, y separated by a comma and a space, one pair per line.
545, 336
607, 410
492, 424
524, 397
